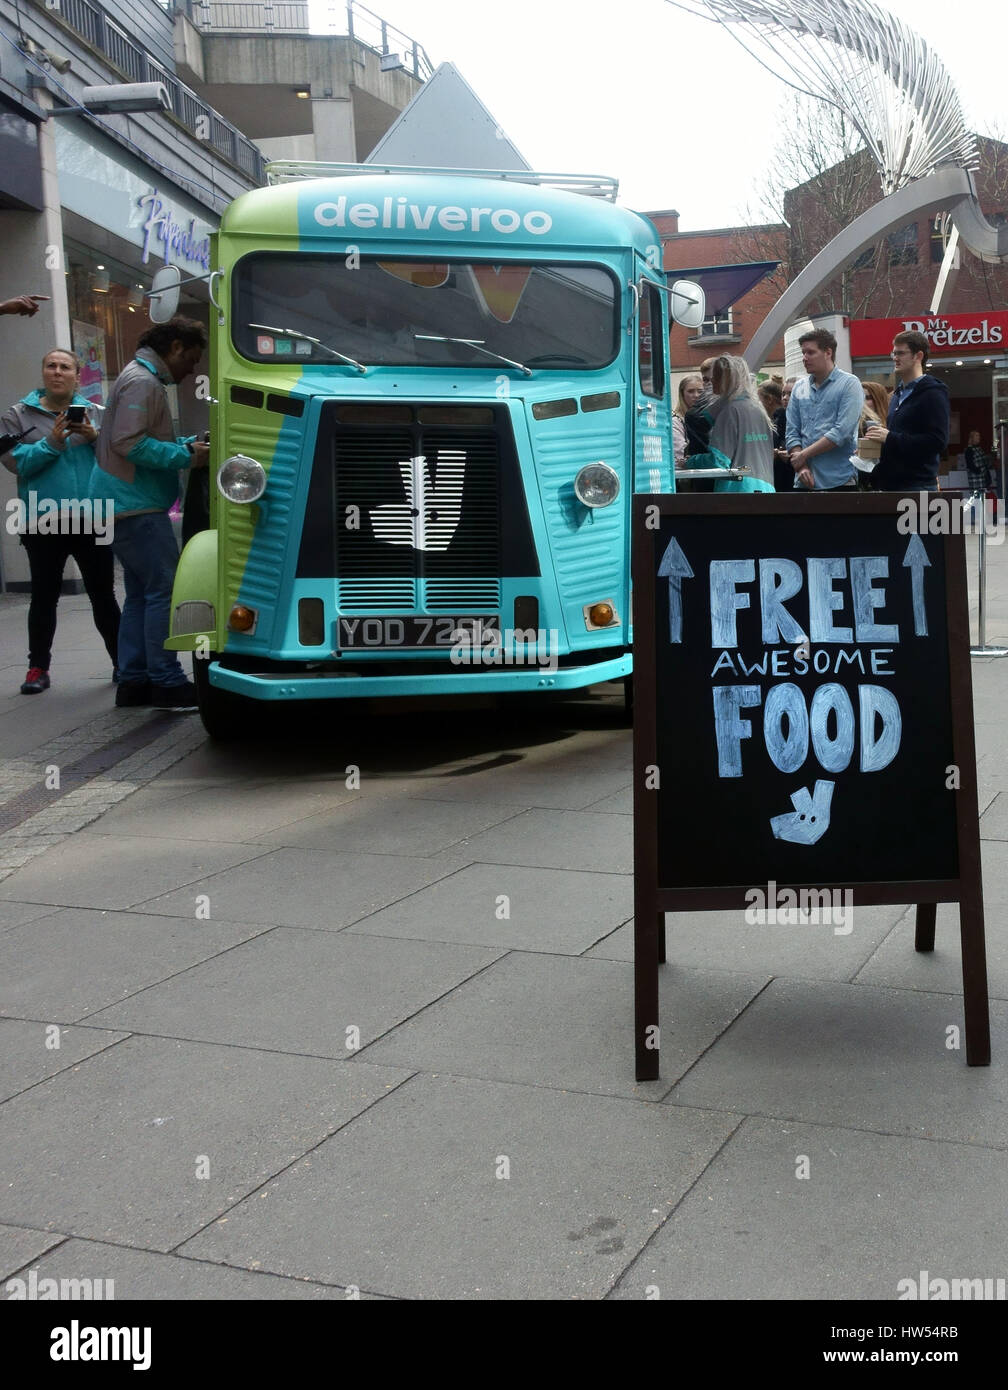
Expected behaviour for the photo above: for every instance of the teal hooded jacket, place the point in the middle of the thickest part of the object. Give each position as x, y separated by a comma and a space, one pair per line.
41, 466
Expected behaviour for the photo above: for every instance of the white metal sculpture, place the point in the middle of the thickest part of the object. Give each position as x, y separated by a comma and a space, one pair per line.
861, 59
866, 62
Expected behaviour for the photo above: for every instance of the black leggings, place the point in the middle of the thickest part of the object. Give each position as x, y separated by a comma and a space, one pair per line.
47, 557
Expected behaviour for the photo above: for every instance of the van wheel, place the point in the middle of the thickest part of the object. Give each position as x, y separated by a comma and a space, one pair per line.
225, 715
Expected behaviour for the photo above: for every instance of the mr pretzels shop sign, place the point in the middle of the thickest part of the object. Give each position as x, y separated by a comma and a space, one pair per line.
803, 728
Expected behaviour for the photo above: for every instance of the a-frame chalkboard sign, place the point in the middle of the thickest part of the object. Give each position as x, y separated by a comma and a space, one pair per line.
803, 718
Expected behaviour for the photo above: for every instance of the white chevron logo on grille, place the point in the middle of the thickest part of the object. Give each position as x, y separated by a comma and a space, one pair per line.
429, 517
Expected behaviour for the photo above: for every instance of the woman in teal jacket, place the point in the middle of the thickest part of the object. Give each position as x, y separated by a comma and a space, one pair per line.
59, 515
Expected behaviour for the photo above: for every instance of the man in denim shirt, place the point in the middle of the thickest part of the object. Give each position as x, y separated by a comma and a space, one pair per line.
823, 416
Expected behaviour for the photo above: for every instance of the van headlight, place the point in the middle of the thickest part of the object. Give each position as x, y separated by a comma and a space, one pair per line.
241, 479
596, 485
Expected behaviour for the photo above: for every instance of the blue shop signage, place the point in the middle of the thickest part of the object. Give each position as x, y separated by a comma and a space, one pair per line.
171, 239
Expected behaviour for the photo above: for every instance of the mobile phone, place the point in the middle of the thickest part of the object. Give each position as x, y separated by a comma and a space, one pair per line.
76, 414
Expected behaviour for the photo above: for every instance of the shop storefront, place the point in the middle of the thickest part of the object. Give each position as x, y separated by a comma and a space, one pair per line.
118, 221
120, 225
969, 352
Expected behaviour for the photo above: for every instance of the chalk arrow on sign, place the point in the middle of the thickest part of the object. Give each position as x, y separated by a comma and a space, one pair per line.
675, 568
810, 818
916, 558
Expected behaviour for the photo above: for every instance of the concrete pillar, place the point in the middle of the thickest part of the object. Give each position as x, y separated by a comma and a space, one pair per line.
33, 263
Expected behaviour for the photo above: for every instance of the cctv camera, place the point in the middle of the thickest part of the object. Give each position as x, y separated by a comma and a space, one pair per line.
59, 62
126, 96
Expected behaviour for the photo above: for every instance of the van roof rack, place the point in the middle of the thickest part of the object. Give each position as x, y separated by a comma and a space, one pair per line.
592, 185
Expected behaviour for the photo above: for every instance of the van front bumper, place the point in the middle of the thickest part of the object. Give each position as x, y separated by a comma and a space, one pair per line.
324, 685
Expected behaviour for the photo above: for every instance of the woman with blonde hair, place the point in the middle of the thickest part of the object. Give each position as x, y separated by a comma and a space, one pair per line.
690, 390
742, 433
876, 400
874, 412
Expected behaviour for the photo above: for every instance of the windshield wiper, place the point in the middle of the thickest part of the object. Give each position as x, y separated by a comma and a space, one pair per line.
306, 338
477, 344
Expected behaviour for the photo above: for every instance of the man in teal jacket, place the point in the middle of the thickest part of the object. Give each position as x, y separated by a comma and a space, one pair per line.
138, 448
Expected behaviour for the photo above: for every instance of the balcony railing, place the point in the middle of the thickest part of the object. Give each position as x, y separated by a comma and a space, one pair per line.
136, 64
292, 17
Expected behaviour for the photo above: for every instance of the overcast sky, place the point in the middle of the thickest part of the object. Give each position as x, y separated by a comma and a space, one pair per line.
668, 103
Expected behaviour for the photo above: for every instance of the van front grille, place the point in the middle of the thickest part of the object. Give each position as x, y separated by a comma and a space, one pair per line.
415, 517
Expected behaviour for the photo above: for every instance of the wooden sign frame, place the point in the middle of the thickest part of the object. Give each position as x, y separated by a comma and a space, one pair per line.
652, 901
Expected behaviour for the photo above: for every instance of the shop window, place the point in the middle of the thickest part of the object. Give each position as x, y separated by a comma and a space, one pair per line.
108, 313
903, 245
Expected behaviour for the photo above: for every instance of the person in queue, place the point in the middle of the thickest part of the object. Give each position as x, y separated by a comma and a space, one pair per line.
978, 471
742, 432
771, 394
876, 400
916, 432
54, 466
139, 460
822, 417
691, 388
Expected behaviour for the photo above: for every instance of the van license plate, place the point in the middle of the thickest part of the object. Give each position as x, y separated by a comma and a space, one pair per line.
379, 632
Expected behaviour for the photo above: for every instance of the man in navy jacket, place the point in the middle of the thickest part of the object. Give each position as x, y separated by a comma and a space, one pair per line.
916, 432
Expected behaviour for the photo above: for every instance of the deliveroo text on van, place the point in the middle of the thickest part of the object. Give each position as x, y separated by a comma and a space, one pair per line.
403, 215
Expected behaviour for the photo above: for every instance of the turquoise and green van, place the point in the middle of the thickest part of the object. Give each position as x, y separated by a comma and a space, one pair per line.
436, 395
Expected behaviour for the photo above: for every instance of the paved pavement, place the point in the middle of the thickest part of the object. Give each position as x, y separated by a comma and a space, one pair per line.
268, 1034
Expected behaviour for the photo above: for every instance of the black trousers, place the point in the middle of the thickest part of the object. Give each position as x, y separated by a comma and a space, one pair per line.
47, 557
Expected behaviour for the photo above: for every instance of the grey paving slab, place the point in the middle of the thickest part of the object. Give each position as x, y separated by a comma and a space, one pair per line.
92, 870
858, 1056
620, 803
141, 1275
407, 1200
994, 862
300, 991
501, 906
212, 764
896, 963
558, 840
19, 1247
873, 1211
994, 820
112, 1149
16, 914
322, 889
570, 788
29, 1052
725, 941
68, 965
568, 1023
237, 813
366, 826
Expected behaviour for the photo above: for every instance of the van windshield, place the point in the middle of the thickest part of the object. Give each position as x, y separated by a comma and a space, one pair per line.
558, 316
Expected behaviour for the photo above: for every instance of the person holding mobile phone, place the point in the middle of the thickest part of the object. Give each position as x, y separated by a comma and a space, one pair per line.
60, 515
